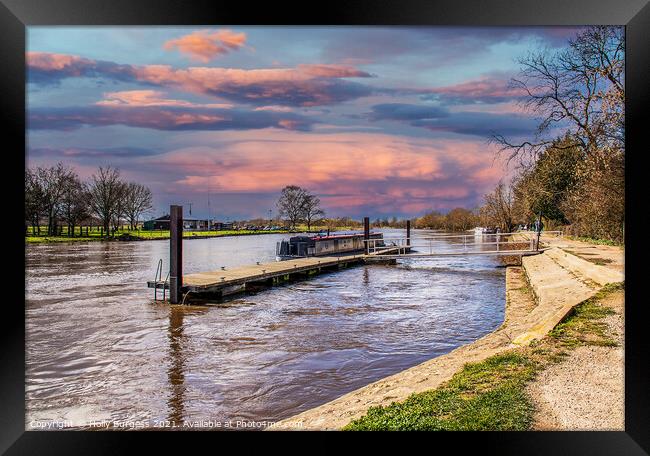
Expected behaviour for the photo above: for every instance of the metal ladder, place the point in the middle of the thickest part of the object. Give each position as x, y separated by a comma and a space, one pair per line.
158, 280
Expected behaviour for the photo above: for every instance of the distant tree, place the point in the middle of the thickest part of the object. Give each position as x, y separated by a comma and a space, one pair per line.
311, 209
460, 219
595, 205
74, 204
498, 208
137, 201
52, 183
544, 186
105, 194
431, 220
34, 200
291, 204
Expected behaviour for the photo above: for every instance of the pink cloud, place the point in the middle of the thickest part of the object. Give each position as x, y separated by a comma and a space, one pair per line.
274, 108
486, 89
332, 71
207, 79
46, 61
204, 45
303, 85
50, 68
139, 98
349, 171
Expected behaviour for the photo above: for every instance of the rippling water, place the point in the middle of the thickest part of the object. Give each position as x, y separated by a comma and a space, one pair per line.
99, 348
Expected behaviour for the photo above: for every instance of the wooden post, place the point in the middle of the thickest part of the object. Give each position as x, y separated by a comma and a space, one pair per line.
408, 232
175, 253
366, 233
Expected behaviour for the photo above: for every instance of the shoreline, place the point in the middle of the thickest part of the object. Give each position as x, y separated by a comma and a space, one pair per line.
70, 240
43, 239
539, 295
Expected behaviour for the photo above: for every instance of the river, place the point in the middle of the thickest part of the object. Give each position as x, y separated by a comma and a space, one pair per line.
100, 349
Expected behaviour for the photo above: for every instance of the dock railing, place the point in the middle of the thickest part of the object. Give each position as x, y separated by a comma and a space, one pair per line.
455, 244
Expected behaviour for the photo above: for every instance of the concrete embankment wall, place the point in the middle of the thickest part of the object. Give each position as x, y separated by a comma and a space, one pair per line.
539, 295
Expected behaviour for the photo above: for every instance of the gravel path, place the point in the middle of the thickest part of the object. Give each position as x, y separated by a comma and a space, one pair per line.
586, 390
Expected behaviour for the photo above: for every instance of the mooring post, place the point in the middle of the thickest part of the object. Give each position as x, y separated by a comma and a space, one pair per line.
175, 253
408, 232
366, 233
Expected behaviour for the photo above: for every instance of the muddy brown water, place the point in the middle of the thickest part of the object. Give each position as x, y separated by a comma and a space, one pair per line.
100, 350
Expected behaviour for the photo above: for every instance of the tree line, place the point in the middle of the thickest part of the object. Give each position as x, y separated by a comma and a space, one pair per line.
458, 219
57, 195
571, 172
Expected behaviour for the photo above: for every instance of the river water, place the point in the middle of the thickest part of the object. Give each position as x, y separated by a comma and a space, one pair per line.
100, 349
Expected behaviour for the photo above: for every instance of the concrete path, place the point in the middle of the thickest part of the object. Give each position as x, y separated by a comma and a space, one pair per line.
612, 257
585, 391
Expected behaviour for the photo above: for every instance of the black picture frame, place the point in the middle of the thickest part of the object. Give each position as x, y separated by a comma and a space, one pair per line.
16, 15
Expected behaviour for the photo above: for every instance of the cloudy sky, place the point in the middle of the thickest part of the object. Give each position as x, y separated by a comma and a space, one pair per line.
375, 121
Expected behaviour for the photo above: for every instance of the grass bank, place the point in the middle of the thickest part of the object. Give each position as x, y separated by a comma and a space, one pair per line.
596, 241
491, 394
143, 235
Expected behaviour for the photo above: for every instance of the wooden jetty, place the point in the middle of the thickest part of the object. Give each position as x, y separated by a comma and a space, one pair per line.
228, 281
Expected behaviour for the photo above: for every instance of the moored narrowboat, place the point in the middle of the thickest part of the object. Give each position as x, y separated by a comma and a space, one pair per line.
322, 245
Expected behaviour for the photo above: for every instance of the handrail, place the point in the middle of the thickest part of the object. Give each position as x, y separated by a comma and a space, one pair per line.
470, 234
375, 246
165, 286
156, 278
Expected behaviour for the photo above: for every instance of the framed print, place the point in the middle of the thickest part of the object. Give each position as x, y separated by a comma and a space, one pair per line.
390, 216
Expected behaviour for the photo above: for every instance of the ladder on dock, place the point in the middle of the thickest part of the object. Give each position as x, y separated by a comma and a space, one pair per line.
159, 283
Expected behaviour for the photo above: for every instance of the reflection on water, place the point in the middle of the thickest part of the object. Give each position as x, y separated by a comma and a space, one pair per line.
99, 348
176, 366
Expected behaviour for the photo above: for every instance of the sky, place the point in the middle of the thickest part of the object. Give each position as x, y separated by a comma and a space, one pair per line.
376, 122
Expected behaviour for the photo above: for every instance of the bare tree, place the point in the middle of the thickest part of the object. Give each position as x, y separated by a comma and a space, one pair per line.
460, 219
137, 201
33, 201
579, 90
120, 206
52, 185
596, 204
498, 208
311, 209
106, 192
544, 186
432, 220
291, 204
74, 204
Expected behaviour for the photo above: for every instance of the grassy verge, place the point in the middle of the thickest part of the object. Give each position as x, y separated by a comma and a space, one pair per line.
590, 257
491, 394
47, 239
595, 241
